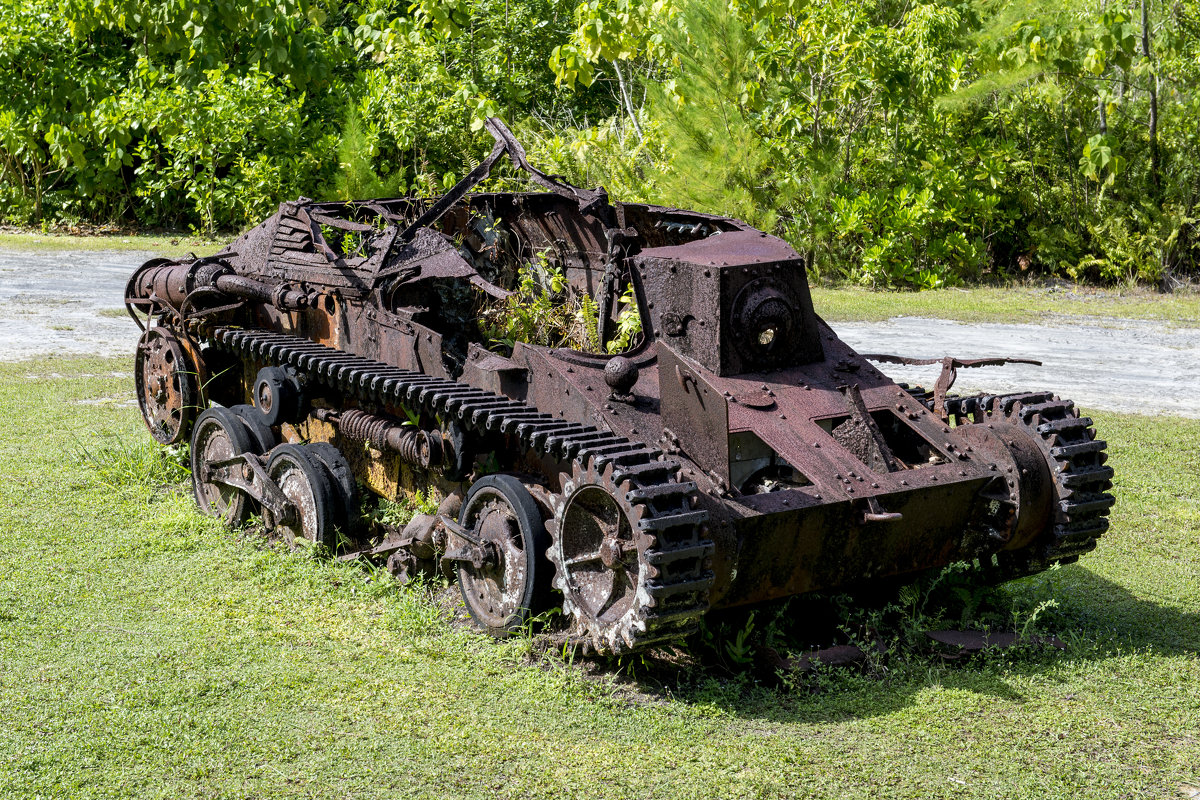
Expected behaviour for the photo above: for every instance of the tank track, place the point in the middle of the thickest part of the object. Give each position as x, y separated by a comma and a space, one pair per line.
679, 554
1081, 478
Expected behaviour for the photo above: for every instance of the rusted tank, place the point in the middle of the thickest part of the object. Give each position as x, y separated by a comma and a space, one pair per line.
736, 452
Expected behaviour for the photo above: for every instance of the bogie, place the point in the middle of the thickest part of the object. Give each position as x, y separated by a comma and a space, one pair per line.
498, 551
310, 514
218, 439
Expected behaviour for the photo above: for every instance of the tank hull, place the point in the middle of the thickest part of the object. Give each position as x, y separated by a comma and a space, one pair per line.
717, 446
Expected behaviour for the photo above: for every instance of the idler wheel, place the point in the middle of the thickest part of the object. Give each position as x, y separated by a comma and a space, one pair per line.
218, 437
166, 386
277, 396
311, 502
340, 475
502, 577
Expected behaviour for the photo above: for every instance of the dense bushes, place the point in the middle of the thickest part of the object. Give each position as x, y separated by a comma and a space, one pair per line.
170, 113
897, 144
128, 119
918, 144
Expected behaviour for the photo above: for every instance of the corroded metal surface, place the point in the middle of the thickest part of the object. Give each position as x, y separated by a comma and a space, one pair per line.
167, 389
736, 452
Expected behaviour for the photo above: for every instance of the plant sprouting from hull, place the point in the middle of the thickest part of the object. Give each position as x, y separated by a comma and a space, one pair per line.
545, 309
629, 325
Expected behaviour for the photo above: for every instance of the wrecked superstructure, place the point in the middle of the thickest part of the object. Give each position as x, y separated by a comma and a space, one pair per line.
736, 452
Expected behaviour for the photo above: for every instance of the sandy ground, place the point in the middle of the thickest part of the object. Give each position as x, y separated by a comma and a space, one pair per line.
1137, 366
66, 303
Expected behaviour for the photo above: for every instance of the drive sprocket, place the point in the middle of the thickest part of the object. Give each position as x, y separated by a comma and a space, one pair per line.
1080, 501
631, 561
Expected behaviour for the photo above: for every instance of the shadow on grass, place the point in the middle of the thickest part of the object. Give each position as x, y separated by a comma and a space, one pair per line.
1113, 617
1097, 619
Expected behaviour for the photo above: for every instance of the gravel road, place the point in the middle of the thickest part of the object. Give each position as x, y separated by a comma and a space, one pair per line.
1137, 366
65, 303
68, 303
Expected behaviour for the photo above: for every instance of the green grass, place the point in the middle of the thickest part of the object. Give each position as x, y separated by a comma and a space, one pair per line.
1008, 304
145, 652
163, 245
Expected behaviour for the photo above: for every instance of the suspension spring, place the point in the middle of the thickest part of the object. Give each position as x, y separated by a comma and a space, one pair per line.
412, 444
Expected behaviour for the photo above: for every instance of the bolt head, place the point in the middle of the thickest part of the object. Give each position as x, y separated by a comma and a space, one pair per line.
610, 553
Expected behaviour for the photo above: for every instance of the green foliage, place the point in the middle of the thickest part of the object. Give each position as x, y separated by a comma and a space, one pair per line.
228, 148
889, 627
443, 68
629, 324
156, 113
357, 178
377, 510
720, 161
909, 145
914, 145
543, 310
210, 115
609, 154
290, 39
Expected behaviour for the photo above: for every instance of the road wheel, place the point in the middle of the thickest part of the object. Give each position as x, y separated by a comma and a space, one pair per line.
507, 581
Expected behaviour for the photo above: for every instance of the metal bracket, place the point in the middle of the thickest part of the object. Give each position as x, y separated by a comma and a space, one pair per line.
588, 199
453, 527
256, 484
949, 373
861, 436
478, 553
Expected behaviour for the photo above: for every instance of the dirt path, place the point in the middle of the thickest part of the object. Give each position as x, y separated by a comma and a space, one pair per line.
71, 303
65, 303
1137, 366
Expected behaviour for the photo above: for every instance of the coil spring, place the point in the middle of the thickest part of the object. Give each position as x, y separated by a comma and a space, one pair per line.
412, 444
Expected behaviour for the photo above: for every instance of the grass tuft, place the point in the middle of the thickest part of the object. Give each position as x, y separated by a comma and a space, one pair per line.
136, 463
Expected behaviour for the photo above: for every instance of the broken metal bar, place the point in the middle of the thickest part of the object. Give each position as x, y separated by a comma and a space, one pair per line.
949, 374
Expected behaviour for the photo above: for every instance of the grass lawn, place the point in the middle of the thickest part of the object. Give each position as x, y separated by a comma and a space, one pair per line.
145, 652
1009, 304
167, 245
